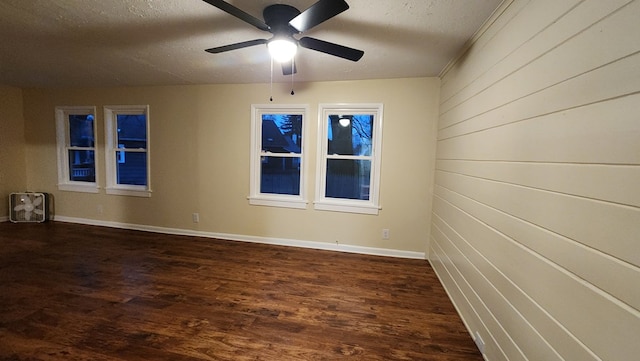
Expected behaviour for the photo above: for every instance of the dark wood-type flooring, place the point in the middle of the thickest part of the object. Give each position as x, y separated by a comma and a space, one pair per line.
76, 292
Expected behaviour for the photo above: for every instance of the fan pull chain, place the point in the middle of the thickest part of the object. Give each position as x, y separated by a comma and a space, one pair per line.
271, 83
293, 66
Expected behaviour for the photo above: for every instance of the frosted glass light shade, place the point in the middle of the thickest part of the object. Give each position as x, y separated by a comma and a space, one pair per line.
282, 50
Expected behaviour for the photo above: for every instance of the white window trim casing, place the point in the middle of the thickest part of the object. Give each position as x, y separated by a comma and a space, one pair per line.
62, 140
276, 200
371, 206
111, 146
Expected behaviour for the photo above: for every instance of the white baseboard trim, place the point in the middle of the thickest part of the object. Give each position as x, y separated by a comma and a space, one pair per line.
252, 239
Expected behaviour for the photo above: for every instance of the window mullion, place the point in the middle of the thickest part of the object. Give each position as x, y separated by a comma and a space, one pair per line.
354, 157
128, 170
137, 150
349, 158
77, 165
278, 156
281, 155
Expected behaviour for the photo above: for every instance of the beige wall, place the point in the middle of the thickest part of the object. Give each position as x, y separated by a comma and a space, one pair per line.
536, 213
13, 171
200, 143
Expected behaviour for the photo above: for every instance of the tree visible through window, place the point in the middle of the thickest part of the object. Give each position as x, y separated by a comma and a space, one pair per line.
277, 159
127, 150
281, 151
349, 151
76, 145
132, 146
82, 148
349, 160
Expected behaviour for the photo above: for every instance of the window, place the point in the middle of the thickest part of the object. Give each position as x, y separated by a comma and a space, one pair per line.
76, 147
349, 158
127, 150
277, 156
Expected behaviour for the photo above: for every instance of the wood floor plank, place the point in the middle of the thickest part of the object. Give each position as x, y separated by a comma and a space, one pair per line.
78, 292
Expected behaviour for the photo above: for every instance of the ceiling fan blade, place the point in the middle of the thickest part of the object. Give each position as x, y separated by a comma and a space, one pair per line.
289, 67
318, 13
331, 48
230, 9
235, 46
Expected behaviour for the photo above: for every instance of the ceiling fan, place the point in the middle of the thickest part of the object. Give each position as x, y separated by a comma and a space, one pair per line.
285, 21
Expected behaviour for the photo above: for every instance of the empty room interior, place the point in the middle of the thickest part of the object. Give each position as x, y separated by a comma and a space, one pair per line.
416, 180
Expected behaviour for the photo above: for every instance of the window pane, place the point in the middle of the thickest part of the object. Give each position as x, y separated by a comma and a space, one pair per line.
81, 130
132, 131
280, 175
350, 134
132, 167
348, 178
82, 166
282, 133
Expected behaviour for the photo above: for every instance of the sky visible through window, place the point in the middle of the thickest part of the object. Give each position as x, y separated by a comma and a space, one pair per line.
348, 136
281, 154
132, 134
81, 161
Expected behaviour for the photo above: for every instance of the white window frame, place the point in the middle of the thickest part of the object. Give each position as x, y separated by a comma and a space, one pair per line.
111, 149
371, 206
268, 199
63, 147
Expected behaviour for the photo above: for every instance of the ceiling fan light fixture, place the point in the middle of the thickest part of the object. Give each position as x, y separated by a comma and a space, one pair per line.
282, 50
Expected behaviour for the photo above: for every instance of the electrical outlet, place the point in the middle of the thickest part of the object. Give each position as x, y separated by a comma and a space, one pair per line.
385, 233
479, 342
195, 217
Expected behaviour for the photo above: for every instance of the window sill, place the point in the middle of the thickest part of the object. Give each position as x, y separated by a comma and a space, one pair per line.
146, 193
347, 207
284, 202
79, 187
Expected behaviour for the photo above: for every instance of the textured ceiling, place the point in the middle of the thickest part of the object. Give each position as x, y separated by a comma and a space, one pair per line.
53, 43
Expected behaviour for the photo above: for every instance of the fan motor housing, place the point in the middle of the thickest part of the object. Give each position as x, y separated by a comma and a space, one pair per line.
29, 207
277, 16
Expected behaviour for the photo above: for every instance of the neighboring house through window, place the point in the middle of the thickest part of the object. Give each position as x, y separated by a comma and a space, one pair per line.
76, 148
349, 158
127, 150
277, 157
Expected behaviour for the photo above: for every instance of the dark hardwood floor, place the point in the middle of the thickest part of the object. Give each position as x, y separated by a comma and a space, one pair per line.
76, 292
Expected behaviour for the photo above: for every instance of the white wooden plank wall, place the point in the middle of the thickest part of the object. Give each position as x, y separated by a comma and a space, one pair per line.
536, 211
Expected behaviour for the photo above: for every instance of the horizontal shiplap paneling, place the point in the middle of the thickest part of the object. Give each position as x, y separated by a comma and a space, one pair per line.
599, 133
605, 182
602, 42
514, 250
503, 38
566, 19
592, 316
445, 261
605, 272
609, 228
536, 212
614, 81
503, 296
